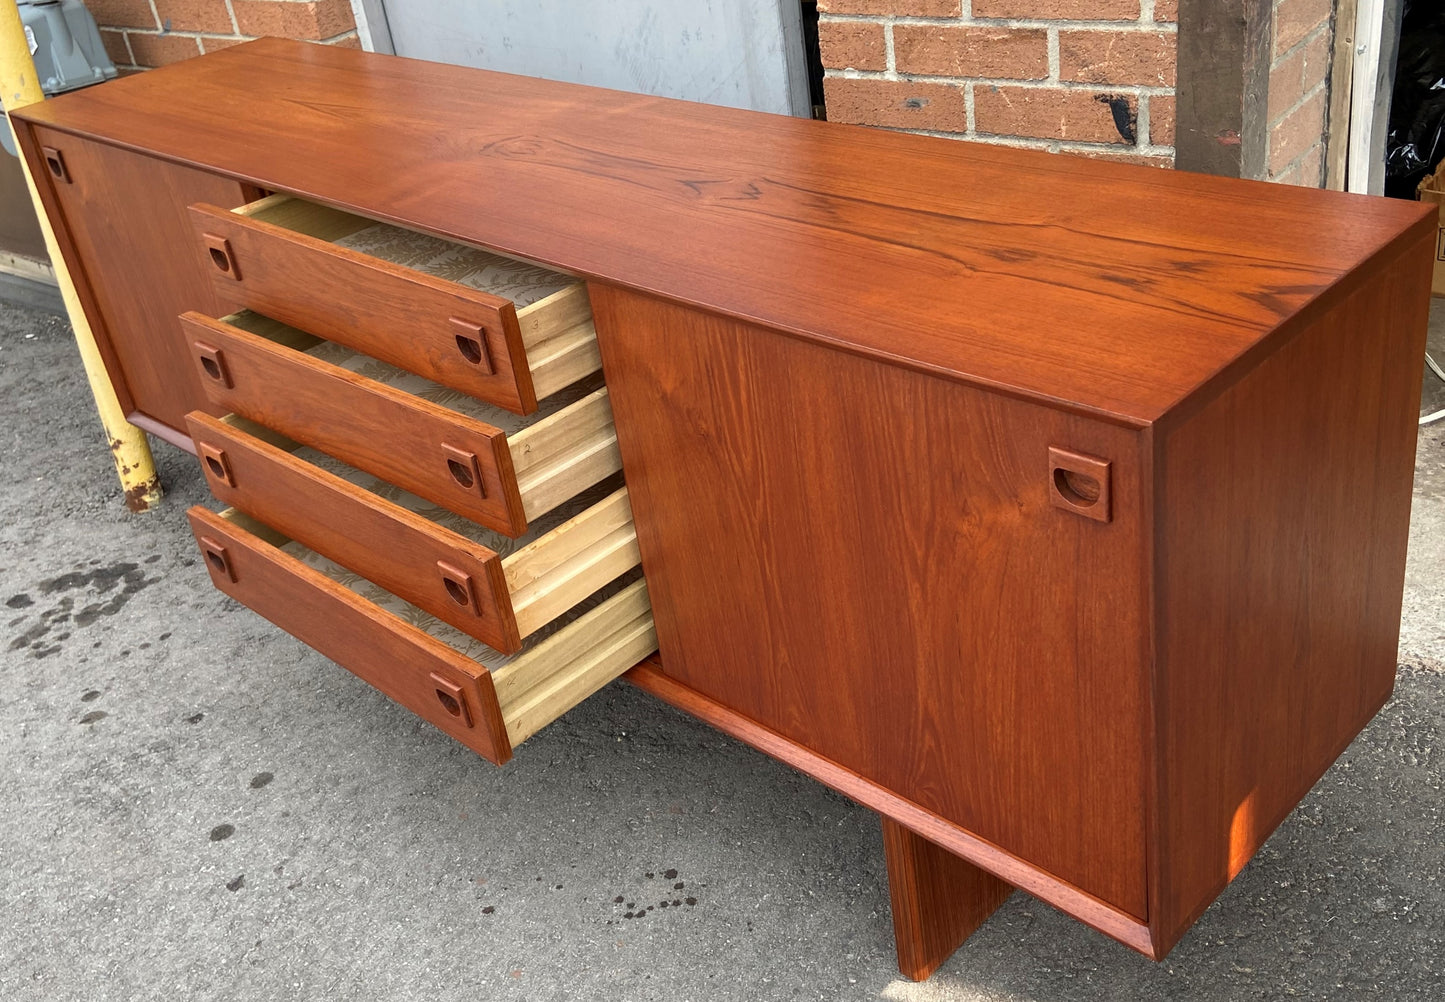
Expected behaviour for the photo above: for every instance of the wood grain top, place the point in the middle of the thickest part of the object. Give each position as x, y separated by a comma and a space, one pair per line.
1116, 290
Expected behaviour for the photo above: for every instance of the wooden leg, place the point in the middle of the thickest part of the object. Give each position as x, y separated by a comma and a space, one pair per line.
938, 899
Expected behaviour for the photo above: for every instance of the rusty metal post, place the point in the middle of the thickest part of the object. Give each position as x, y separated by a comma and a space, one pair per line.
19, 87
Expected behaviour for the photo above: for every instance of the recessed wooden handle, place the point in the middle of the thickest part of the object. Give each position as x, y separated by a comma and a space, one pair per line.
218, 561
472, 343
1080, 484
464, 468
213, 363
458, 584
55, 163
221, 255
215, 463
453, 698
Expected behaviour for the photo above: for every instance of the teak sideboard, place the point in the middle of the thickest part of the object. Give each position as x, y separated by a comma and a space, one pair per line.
1054, 509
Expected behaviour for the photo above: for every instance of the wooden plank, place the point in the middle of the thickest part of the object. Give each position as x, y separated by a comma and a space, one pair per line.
545, 681
945, 257
938, 899
561, 341
1342, 69
551, 575
563, 454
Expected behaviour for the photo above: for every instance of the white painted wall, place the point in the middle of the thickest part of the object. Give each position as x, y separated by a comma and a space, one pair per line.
741, 53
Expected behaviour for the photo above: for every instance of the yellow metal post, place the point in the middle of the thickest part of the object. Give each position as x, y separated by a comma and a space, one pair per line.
19, 87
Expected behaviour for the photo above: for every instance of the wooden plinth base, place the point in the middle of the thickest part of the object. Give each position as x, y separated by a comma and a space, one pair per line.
938, 899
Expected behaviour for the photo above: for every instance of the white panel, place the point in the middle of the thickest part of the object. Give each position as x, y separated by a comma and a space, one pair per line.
730, 52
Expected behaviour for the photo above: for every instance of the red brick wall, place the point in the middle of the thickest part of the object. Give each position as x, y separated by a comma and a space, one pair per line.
140, 34
1298, 93
1092, 77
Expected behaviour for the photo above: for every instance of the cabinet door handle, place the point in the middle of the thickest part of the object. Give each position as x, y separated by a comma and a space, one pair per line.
1080, 484
55, 162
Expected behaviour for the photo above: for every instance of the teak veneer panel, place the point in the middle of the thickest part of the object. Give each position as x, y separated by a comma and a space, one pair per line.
1283, 517
124, 225
878, 547
1108, 288
938, 899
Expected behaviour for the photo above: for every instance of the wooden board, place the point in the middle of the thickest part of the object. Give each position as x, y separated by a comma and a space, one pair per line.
1113, 289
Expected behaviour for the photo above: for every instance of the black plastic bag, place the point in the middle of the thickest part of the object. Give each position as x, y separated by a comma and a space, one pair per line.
1416, 142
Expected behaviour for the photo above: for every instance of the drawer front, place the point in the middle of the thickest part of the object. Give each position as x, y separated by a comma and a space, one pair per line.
455, 579
490, 711
461, 464
460, 337
421, 673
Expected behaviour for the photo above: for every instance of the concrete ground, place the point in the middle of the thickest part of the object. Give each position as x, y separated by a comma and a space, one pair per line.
195, 806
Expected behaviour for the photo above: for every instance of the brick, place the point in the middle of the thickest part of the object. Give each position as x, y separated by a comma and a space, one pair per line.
1311, 170
350, 40
1161, 120
1296, 133
310, 19
115, 47
893, 8
122, 13
1288, 177
195, 15
213, 44
898, 104
161, 50
1286, 85
857, 45
1295, 19
1138, 159
1059, 10
1316, 55
945, 51
1145, 58
1050, 113
1166, 11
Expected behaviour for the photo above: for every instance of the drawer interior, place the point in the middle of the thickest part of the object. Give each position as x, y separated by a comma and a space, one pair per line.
563, 448
553, 312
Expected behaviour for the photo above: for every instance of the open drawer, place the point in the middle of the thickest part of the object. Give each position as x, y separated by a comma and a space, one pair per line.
505, 331
488, 701
487, 585
471, 458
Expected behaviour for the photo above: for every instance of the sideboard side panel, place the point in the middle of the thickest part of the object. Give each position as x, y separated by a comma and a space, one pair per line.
1282, 528
865, 560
